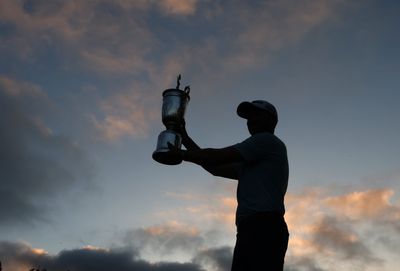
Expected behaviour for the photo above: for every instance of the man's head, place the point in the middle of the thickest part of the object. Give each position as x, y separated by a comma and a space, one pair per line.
261, 116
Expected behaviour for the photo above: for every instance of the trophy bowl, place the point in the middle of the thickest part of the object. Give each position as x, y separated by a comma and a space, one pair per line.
162, 154
174, 107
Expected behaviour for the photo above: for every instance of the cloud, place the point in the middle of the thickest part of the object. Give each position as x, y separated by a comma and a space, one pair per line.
152, 41
302, 264
13, 88
167, 241
324, 228
99, 35
344, 228
107, 37
216, 259
36, 164
373, 206
255, 31
20, 256
321, 238
333, 237
369, 204
243, 36
178, 7
179, 241
125, 114
215, 211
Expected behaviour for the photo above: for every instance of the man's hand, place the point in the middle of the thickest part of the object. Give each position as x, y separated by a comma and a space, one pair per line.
182, 129
186, 140
175, 151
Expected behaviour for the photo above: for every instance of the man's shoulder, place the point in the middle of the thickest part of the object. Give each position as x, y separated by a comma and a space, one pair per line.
268, 140
260, 146
267, 137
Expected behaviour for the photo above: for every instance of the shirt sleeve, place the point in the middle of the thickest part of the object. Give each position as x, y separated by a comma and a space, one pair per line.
256, 147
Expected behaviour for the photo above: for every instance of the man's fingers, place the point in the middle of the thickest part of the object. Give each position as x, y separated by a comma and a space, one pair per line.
171, 146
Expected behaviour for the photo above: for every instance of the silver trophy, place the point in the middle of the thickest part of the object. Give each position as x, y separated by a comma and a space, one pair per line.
174, 105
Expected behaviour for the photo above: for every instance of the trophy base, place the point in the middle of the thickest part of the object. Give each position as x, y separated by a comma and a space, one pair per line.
167, 157
163, 154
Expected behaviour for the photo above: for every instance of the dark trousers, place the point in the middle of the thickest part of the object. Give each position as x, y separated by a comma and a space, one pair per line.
261, 243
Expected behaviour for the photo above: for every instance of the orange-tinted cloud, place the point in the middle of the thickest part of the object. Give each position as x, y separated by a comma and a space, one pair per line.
340, 227
367, 204
117, 38
15, 88
126, 114
125, 43
178, 7
172, 227
320, 236
207, 210
322, 227
273, 25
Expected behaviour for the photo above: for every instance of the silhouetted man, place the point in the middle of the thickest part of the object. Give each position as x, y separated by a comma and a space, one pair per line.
260, 165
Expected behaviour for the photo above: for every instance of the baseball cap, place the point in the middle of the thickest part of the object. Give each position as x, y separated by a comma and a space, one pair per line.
246, 108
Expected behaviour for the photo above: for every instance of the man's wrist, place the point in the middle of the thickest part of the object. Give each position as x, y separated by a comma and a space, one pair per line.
184, 134
183, 154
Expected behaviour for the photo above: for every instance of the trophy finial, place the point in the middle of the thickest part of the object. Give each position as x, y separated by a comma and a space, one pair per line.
178, 82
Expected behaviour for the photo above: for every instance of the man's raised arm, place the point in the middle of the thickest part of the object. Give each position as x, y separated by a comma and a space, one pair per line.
224, 162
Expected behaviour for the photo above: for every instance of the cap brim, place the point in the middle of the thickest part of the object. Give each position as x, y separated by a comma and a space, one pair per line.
245, 109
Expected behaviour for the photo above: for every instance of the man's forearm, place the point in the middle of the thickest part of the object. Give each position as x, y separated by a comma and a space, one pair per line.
188, 142
207, 158
202, 157
212, 157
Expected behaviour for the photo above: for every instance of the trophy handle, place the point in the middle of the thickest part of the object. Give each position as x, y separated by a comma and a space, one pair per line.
187, 90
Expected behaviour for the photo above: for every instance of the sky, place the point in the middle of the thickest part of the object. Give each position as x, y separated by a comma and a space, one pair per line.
81, 87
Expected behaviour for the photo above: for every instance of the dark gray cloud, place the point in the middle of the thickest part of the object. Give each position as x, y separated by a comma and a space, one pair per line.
252, 30
331, 234
218, 259
385, 233
166, 239
18, 255
302, 264
36, 164
142, 47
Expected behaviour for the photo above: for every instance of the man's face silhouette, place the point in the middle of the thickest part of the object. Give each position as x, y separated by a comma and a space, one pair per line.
258, 121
